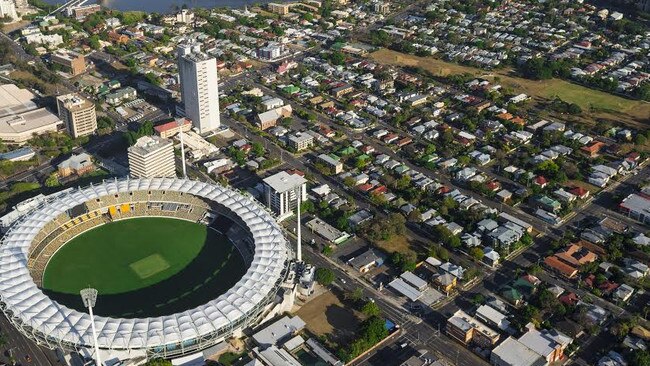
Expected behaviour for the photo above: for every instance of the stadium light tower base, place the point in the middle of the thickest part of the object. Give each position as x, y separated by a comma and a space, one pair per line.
89, 298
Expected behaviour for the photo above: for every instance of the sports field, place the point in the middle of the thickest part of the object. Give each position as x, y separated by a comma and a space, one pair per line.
144, 267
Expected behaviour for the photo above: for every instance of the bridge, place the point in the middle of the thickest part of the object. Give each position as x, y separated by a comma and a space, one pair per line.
68, 5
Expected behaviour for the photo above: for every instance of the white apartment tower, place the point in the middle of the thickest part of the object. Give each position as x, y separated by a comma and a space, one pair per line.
199, 87
8, 9
152, 157
281, 192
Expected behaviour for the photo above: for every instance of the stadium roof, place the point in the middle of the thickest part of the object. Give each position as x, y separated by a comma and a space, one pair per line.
55, 325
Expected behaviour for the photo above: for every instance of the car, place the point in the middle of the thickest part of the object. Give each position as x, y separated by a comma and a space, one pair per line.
27, 358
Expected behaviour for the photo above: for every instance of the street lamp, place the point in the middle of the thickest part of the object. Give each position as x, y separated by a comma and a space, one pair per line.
89, 298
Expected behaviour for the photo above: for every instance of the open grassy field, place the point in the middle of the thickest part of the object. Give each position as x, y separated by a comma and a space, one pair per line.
595, 104
144, 266
400, 244
326, 315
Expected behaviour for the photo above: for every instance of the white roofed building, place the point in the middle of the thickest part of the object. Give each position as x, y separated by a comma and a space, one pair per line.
281, 191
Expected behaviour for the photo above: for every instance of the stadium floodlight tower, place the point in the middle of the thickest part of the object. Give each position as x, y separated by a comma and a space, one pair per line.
89, 298
181, 122
298, 231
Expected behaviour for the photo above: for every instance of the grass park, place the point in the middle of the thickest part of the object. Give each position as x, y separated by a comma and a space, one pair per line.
144, 267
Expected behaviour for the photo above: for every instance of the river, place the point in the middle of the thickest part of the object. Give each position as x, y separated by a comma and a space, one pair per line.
165, 6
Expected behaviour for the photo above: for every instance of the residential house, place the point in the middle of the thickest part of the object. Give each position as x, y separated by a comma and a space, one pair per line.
366, 261
270, 118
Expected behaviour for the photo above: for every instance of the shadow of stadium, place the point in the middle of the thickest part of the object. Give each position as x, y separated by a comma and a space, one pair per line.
202, 280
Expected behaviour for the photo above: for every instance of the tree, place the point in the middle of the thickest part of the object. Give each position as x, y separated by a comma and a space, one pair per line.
325, 276
93, 42
153, 78
478, 299
439, 252
337, 58
405, 261
447, 237
327, 250
415, 215
640, 358
355, 295
257, 149
640, 139
52, 180
476, 253
370, 308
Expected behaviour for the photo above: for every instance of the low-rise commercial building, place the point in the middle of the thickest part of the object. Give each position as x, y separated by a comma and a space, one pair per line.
333, 163
121, 95
20, 117
70, 61
78, 164
300, 141
637, 206
467, 330
534, 348
170, 129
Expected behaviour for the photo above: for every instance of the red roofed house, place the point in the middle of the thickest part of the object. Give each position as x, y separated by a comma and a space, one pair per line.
493, 185
390, 138
558, 266
405, 141
570, 299
296, 172
368, 149
365, 187
567, 262
580, 192
518, 121
540, 181
593, 149
608, 287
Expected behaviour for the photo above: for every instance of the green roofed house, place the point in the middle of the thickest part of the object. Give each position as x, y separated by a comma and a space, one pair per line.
512, 295
348, 151
548, 204
526, 288
102, 90
291, 89
364, 157
338, 46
